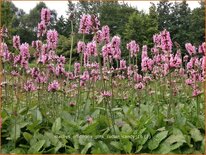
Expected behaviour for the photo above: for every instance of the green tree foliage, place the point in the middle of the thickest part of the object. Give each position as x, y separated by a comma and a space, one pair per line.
141, 28
164, 14
115, 16
183, 23
197, 26
8, 11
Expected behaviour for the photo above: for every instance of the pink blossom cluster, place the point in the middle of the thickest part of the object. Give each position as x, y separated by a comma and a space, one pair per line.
195, 71
88, 24
42, 26
133, 48
166, 42
147, 63
22, 58
50, 72
52, 39
45, 15
112, 50
29, 86
53, 86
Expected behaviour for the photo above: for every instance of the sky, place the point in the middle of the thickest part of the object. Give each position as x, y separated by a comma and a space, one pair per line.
61, 6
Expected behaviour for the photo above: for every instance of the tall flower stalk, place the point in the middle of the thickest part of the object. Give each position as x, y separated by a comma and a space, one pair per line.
72, 42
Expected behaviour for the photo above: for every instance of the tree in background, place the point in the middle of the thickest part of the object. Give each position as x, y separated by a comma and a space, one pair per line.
141, 27
180, 22
164, 15
197, 26
183, 23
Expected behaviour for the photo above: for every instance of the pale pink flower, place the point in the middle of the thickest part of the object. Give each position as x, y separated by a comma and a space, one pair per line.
45, 15
166, 42
85, 76
71, 104
24, 51
85, 24
54, 86
16, 41
29, 86
52, 39
99, 36
139, 85
91, 48
106, 94
190, 48
106, 34
37, 44
116, 41
95, 23
196, 92
157, 39
185, 58
81, 47
123, 64
133, 47
137, 77
89, 119
76, 68
41, 29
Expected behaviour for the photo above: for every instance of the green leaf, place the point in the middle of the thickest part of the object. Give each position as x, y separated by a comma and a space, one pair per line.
36, 114
175, 138
196, 135
144, 139
27, 136
155, 141
104, 147
15, 132
36, 147
91, 129
127, 145
100, 99
202, 148
100, 148
56, 125
18, 151
23, 110
171, 143
139, 148
83, 140
116, 109
23, 124
126, 128
117, 145
52, 138
85, 149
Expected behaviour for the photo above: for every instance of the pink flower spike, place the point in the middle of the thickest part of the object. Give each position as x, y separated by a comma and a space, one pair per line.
81, 47
45, 15
190, 48
54, 86
52, 39
106, 94
16, 42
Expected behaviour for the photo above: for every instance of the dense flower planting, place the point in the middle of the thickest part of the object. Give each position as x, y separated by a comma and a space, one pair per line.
154, 94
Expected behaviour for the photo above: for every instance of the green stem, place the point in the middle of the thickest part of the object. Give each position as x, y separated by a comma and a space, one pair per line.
198, 109
81, 56
113, 121
72, 42
170, 101
78, 100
